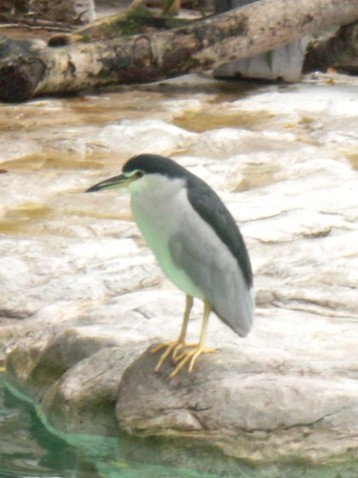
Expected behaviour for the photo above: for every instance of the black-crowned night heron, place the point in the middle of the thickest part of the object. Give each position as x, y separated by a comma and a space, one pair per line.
196, 243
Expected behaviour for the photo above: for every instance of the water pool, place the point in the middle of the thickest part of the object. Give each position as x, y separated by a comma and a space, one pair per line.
29, 450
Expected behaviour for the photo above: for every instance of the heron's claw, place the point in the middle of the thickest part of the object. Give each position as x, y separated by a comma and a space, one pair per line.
181, 353
188, 355
171, 348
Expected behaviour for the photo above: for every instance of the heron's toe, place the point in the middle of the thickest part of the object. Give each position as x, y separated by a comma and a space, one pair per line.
189, 356
170, 347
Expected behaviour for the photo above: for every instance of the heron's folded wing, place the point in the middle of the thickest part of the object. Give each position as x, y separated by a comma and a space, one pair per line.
200, 252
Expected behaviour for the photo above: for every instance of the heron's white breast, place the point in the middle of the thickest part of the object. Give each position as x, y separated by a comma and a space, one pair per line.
158, 205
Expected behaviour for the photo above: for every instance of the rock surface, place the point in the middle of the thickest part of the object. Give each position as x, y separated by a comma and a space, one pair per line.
82, 299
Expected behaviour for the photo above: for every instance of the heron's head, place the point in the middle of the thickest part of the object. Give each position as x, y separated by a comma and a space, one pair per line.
142, 171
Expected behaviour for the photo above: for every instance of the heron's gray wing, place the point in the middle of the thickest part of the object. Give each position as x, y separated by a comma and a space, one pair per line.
206, 259
210, 207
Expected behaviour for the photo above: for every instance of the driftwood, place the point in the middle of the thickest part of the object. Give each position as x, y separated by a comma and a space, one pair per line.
29, 69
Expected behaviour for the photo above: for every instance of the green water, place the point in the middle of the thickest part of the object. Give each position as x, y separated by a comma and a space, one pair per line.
29, 450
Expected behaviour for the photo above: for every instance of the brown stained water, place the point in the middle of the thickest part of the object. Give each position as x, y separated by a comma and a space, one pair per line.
36, 218
76, 111
40, 138
352, 157
259, 176
56, 160
18, 219
213, 118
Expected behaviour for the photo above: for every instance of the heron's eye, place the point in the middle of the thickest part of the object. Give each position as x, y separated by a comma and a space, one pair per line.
138, 174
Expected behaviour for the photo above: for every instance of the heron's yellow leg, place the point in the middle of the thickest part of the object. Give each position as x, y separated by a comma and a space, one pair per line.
197, 349
174, 347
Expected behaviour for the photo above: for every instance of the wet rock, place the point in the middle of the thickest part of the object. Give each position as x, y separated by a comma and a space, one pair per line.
84, 398
145, 135
82, 299
48, 358
247, 406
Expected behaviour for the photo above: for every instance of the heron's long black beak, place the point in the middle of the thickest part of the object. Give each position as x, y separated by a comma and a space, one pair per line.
116, 182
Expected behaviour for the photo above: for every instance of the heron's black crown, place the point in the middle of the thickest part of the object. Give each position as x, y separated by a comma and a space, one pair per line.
156, 164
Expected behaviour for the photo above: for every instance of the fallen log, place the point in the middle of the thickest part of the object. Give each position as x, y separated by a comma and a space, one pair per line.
28, 69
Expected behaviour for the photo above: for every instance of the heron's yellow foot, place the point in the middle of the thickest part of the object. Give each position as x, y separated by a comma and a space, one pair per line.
188, 355
170, 348
181, 350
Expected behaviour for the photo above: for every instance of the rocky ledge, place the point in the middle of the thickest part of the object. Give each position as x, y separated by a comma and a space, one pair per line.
83, 300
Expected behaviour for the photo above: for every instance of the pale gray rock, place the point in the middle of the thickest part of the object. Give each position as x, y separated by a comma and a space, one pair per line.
85, 397
213, 405
82, 300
